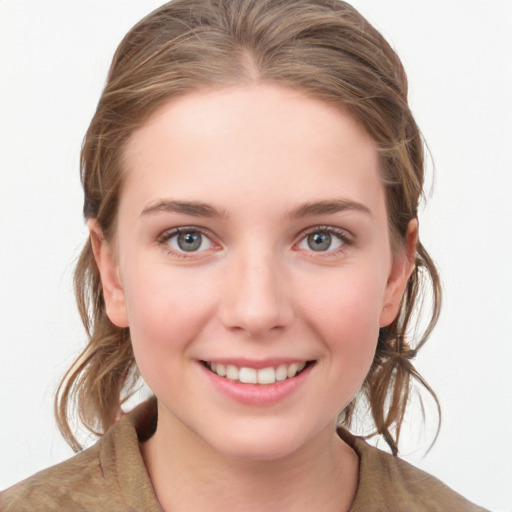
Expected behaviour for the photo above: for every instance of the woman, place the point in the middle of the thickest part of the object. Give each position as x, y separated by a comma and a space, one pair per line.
235, 144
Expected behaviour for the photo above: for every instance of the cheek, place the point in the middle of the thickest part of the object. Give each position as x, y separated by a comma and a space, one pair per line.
349, 298
167, 309
346, 316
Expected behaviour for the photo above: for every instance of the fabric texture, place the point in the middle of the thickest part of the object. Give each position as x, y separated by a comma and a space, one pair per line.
111, 476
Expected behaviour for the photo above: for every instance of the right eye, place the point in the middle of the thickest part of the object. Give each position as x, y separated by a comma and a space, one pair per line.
186, 240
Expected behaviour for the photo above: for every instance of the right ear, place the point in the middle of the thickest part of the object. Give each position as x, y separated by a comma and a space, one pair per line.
113, 293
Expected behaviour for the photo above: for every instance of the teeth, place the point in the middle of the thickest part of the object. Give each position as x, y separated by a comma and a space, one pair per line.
281, 372
247, 375
266, 376
292, 369
231, 372
296, 369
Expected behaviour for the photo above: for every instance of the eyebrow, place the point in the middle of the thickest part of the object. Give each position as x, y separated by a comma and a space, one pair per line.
327, 207
200, 209
195, 208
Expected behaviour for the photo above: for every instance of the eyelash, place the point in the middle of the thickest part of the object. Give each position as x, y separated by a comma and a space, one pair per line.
341, 234
165, 237
345, 238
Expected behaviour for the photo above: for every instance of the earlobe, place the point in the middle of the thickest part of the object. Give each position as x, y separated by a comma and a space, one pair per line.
113, 293
402, 268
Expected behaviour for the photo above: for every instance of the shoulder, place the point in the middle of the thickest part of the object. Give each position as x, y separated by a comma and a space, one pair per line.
68, 485
389, 483
109, 476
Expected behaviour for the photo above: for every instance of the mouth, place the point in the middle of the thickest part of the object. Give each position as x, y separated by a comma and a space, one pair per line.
263, 376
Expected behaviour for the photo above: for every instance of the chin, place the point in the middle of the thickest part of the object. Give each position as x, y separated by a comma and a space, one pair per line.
258, 443
264, 450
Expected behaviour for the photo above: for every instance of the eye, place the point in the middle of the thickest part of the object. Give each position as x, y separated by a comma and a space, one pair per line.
323, 240
186, 240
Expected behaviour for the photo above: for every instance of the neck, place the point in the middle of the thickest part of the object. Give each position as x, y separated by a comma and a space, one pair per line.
188, 474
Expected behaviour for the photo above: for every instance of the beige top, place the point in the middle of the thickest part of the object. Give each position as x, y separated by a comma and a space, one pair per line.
111, 476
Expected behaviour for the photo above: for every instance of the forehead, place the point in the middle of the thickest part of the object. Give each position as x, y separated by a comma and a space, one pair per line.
254, 143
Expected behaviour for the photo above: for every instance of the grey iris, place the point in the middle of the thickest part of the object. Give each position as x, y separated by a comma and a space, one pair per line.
189, 241
320, 241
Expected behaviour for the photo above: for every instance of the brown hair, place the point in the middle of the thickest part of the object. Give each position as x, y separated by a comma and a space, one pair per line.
326, 49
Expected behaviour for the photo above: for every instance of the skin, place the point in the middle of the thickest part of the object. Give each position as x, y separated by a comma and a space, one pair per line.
255, 290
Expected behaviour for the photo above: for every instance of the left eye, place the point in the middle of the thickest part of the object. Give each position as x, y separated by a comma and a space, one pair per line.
189, 240
321, 241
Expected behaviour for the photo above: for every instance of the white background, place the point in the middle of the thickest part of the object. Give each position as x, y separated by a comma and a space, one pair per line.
54, 57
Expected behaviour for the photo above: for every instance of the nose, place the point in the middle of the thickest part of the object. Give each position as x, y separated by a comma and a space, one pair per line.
255, 296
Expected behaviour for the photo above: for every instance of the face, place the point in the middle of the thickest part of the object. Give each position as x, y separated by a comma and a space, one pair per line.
252, 264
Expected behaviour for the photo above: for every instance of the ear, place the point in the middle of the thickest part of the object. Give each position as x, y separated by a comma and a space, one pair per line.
401, 269
113, 293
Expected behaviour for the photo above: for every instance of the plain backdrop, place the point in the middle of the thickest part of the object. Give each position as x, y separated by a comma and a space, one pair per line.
54, 57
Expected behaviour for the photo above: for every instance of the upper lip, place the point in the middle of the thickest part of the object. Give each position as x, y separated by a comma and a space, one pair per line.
257, 364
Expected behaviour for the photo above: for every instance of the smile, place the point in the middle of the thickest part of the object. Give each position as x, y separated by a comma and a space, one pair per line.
264, 376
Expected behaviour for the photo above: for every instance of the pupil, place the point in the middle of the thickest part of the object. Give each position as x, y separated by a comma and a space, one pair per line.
190, 241
320, 241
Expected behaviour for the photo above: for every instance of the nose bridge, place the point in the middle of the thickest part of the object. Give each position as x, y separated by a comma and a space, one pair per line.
255, 297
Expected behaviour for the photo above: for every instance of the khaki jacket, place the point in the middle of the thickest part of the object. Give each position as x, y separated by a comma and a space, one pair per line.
111, 476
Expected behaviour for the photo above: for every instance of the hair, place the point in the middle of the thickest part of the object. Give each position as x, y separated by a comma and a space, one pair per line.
323, 48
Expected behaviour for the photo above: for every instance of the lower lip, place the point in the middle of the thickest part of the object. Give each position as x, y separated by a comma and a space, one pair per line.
257, 394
